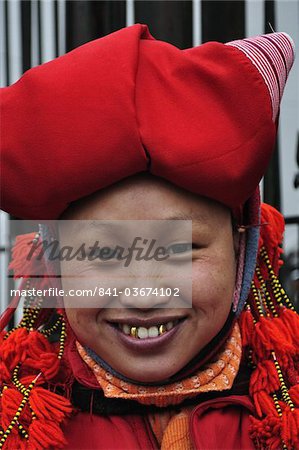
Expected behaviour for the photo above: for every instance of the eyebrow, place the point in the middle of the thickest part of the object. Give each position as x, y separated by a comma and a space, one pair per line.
193, 217
104, 224
178, 216
113, 226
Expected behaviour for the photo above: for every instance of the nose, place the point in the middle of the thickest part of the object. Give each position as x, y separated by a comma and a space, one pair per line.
150, 284
146, 294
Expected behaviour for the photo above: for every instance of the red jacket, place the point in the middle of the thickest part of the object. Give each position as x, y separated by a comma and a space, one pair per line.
216, 424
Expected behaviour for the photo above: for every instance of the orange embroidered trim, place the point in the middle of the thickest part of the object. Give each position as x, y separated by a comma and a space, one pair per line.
218, 375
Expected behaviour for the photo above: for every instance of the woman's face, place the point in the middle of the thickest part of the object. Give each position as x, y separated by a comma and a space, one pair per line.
213, 278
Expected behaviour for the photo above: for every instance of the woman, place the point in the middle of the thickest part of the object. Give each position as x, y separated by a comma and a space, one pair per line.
131, 128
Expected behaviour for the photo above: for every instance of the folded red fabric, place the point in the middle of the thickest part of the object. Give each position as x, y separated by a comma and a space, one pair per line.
202, 118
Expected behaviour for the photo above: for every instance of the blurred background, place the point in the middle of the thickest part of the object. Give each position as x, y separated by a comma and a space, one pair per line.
36, 31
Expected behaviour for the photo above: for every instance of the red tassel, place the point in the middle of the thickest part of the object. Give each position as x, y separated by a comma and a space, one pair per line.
48, 405
272, 235
27, 379
7, 315
11, 400
292, 374
44, 435
247, 327
264, 378
20, 263
4, 373
285, 361
264, 404
13, 349
294, 394
48, 364
290, 428
271, 335
64, 376
41, 356
291, 322
15, 442
37, 344
257, 432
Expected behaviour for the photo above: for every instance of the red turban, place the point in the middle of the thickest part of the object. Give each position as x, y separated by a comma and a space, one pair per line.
202, 118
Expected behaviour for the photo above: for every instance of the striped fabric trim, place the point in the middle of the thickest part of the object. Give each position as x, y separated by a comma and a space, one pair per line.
273, 55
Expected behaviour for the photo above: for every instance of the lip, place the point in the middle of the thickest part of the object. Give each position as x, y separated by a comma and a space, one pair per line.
148, 344
139, 322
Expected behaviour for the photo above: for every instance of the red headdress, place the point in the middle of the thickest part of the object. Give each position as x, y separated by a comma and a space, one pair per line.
202, 118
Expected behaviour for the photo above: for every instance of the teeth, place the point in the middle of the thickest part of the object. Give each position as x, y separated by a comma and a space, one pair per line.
126, 329
142, 332
169, 325
153, 332
145, 333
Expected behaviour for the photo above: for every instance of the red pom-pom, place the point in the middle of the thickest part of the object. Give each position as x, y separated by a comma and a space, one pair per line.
266, 433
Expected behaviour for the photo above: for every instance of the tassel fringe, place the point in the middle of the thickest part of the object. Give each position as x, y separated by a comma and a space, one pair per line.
270, 337
31, 415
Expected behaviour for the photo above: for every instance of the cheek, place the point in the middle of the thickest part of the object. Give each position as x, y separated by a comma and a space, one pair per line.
213, 283
212, 296
83, 322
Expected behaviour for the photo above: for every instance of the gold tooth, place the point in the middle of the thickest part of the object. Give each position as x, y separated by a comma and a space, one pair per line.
162, 329
133, 331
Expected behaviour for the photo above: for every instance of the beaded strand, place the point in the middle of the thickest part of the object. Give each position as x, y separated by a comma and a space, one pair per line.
14, 420
279, 292
267, 306
29, 319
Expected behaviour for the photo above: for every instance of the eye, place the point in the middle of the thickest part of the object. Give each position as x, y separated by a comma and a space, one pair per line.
109, 253
179, 248
104, 253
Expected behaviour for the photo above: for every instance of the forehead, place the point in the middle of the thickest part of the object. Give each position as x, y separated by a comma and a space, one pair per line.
147, 197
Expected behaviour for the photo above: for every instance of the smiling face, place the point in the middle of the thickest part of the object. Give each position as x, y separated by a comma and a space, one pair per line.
105, 330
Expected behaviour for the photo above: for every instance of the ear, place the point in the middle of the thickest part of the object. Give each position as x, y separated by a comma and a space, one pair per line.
236, 238
236, 230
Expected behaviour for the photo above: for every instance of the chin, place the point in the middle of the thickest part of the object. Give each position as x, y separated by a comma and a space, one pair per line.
148, 375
